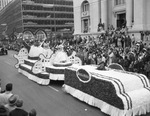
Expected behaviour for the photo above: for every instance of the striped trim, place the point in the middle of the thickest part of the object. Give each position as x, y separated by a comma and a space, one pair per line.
148, 88
141, 76
144, 85
120, 87
55, 71
144, 79
126, 95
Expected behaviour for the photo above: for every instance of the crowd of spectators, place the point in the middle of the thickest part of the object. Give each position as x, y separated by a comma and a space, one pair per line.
11, 104
113, 46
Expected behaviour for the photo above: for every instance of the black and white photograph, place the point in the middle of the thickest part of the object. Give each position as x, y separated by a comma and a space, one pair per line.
74, 58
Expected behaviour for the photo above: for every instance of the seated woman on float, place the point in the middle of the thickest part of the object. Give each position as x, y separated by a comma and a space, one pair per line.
61, 57
36, 49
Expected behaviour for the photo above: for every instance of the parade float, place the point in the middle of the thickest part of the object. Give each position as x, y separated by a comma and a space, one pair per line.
40, 64
115, 91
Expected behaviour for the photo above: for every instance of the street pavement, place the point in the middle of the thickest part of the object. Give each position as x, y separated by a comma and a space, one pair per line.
47, 100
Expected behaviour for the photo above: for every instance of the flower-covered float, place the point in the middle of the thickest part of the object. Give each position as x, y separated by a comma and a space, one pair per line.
115, 92
41, 64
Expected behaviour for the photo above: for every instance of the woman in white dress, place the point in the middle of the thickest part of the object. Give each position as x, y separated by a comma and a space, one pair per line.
60, 55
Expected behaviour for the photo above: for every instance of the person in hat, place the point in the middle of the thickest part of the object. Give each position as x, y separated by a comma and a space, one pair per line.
12, 102
32, 112
6, 94
18, 111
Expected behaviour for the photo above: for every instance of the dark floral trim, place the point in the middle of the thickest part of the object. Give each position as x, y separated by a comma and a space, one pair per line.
29, 63
55, 71
42, 76
33, 58
62, 65
120, 86
101, 89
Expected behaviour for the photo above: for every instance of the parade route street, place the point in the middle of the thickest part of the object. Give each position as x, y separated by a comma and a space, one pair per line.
47, 100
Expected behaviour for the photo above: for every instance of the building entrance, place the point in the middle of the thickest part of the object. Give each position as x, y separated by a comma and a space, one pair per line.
121, 20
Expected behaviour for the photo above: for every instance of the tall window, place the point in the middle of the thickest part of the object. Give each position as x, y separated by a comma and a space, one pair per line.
85, 19
119, 2
85, 6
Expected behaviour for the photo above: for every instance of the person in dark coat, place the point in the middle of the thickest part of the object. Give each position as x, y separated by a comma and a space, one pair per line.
18, 111
126, 63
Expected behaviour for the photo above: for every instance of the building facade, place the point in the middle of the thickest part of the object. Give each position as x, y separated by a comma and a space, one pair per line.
48, 15
131, 13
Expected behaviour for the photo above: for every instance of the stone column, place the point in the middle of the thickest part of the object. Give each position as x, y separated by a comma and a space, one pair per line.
129, 13
104, 14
